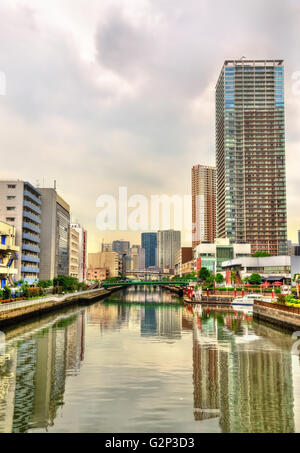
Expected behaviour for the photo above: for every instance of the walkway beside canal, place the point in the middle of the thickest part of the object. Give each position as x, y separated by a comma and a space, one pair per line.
15, 311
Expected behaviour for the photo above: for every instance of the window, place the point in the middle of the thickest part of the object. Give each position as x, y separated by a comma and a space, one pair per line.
11, 197
10, 219
10, 208
11, 186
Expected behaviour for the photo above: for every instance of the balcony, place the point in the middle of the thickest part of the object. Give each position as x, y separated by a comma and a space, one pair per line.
32, 217
30, 248
31, 206
5, 270
30, 270
33, 197
30, 226
31, 238
6, 247
31, 259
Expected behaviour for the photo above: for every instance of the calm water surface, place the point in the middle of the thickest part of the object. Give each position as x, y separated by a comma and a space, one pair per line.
142, 362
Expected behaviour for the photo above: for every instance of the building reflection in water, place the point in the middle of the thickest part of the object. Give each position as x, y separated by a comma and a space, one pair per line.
249, 389
34, 369
141, 308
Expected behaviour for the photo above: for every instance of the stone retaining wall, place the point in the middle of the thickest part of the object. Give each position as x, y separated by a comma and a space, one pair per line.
277, 315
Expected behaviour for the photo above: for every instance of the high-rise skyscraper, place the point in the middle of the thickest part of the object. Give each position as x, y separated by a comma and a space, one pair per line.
149, 243
203, 204
168, 243
121, 247
250, 154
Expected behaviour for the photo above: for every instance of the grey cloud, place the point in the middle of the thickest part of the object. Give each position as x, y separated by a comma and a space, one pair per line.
92, 138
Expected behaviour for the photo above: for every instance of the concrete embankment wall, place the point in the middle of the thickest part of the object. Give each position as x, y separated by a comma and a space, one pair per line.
27, 309
175, 289
277, 315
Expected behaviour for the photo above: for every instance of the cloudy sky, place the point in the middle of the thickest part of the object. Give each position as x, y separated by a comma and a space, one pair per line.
109, 93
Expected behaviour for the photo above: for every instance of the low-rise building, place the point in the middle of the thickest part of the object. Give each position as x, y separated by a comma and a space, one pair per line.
212, 256
187, 268
182, 256
271, 268
20, 206
97, 273
8, 253
82, 255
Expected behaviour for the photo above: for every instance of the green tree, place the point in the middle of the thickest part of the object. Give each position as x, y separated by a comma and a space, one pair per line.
219, 278
255, 279
233, 276
45, 283
203, 274
261, 254
66, 282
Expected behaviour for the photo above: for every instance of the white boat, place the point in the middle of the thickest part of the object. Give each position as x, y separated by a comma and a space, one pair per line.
248, 300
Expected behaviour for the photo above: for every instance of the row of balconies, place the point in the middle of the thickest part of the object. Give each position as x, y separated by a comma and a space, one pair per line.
32, 206
33, 198
30, 259
32, 217
31, 226
31, 238
30, 248
30, 269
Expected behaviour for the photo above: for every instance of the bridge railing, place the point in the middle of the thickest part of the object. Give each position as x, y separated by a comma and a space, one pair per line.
147, 282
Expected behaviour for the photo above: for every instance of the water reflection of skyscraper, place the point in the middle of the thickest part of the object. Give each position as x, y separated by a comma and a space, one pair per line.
248, 388
37, 366
161, 321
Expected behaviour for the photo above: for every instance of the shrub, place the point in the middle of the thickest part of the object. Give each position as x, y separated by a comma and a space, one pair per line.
281, 299
57, 289
6, 292
34, 291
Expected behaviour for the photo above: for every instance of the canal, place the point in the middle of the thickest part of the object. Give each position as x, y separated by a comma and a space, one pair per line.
140, 361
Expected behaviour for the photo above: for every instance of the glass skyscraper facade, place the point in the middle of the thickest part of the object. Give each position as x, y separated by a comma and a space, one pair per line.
149, 243
250, 154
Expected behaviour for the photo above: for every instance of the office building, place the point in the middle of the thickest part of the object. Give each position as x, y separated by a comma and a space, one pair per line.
106, 247
8, 254
20, 206
121, 247
250, 155
105, 260
272, 268
149, 244
73, 252
203, 204
213, 255
82, 255
54, 235
168, 243
137, 258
